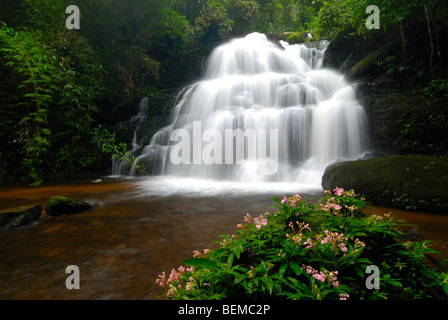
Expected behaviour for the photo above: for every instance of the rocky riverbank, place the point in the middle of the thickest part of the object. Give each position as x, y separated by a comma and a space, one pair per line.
55, 206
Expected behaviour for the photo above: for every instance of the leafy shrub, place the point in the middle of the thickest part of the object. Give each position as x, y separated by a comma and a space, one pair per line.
306, 251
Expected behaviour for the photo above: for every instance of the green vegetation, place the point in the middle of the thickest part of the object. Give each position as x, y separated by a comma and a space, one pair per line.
58, 85
305, 251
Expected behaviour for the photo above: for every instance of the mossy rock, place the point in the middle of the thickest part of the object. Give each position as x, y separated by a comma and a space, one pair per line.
413, 182
367, 64
57, 206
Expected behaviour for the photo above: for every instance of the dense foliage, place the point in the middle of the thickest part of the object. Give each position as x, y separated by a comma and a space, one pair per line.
306, 251
57, 85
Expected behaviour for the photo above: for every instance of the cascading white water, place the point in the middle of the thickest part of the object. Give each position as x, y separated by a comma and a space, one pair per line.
139, 118
256, 86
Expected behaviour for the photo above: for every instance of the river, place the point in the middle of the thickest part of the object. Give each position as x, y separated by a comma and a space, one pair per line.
137, 228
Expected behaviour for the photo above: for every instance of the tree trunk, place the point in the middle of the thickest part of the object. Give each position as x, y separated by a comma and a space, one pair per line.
403, 44
431, 58
436, 33
403, 40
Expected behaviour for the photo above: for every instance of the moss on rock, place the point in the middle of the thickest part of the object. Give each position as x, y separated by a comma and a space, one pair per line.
413, 182
57, 206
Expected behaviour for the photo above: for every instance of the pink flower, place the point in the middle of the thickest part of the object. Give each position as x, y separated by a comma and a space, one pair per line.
308, 244
319, 276
173, 276
343, 296
261, 222
339, 191
161, 280
342, 246
292, 200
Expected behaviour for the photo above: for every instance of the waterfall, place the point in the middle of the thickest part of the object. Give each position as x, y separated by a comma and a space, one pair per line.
139, 118
262, 112
121, 166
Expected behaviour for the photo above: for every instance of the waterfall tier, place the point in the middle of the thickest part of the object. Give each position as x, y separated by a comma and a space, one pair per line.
262, 113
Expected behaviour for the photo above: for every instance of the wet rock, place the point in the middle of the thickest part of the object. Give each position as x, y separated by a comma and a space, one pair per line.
57, 206
20, 218
413, 182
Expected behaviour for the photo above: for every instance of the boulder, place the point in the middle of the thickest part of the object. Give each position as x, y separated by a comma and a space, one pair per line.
57, 206
412, 182
20, 218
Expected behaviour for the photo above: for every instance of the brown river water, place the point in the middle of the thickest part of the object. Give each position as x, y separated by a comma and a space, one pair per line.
136, 229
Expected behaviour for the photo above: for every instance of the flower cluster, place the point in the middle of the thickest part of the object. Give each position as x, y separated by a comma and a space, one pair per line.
335, 238
322, 276
175, 277
341, 201
297, 238
308, 243
330, 206
343, 296
261, 221
292, 200
358, 244
339, 192
351, 209
302, 226
197, 254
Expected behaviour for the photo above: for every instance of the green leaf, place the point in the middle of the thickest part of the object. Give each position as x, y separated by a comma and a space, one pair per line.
445, 288
230, 260
200, 262
296, 268
237, 251
239, 277
269, 284
395, 283
283, 268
